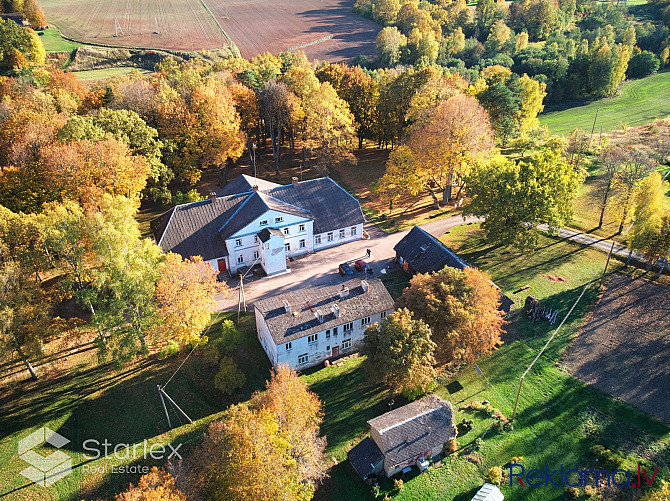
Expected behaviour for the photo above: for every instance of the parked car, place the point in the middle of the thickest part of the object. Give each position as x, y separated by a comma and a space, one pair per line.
345, 269
361, 265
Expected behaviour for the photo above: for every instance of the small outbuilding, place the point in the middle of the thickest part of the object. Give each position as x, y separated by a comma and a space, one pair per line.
404, 437
488, 492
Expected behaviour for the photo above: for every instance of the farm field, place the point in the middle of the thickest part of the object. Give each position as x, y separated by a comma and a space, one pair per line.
325, 30
54, 42
91, 75
641, 101
183, 24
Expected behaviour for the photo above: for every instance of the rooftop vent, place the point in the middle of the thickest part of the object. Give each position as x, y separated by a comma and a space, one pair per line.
364, 285
344, 292
255, 187
287, 307
319, 316
212, 196
336, 310
295, 181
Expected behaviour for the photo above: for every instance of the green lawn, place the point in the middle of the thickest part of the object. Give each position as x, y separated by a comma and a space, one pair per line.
106, 73
54, 42
640, 102
97, 401
558, 419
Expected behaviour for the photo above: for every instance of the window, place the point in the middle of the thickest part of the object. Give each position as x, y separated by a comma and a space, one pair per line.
255, 239
287, 246
287, 231
303, 359
334, 331
341, 233
256, 255
288, 346
346, 344
317, 239
348, 327
238, 242
330, 236
301, 227
312, 338
302, 244
383, 315
279, 219
328, 348
327, 333
240, 258
353, 230
264, 223
365, 321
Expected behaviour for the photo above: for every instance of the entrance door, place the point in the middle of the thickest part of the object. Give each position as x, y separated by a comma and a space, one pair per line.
222, 265
336, 351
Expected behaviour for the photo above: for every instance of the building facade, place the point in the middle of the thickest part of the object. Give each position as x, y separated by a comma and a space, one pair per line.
306, 327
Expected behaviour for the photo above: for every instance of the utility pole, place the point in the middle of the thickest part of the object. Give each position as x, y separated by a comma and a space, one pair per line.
253, 148
160, 394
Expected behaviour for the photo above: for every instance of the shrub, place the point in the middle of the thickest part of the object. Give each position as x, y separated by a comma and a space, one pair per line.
495, 475
572, 492
516, 460
590, 491
467, 425
230, 377
375, 491
643, 64
451, 446
398, 484
478, 443
170, 350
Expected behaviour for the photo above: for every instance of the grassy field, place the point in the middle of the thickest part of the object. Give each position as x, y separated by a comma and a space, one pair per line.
641, 101
106, 73
558, 419
54, 42
88, 400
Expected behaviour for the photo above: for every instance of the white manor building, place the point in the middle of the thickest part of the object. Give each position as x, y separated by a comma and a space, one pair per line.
305, 327
252, 221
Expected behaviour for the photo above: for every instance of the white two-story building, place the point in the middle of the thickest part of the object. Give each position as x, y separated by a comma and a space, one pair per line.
305, 327
252, 221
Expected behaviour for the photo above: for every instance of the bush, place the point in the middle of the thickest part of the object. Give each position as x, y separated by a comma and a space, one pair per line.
398, 484
451, 446
495, 475
643, 64
478, 443
170, 350
572, 492
465, 426
375, 491
230, 377
516, 460
188, 197
590, 491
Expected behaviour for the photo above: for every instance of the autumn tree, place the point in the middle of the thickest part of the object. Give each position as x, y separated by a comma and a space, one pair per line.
400, 178
634, 166
157, 485
446, 148
515, 197
461, 309
19, 47
34, 14
229, 377
185, 296
400, 353
390, 43
648, 209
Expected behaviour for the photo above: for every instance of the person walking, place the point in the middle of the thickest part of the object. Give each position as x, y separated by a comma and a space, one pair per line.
368, 252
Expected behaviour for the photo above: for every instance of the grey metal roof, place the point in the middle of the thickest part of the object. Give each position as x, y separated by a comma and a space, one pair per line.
301, 321
330, 205
245, 184
255, 205
414, 428
191, 229
365, 456
425, 253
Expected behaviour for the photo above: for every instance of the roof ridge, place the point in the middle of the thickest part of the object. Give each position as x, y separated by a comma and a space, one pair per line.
443, 245
173, 209
238, 210
353, 197
395, 425
278, 200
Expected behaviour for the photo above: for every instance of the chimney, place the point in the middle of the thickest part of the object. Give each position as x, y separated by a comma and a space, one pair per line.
336, 311
319, 315
287, 307
364, 285
344, 292
212, 196
255, 187
294, 180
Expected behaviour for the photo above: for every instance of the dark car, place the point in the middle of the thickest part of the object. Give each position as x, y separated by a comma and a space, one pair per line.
361, 265
345, 269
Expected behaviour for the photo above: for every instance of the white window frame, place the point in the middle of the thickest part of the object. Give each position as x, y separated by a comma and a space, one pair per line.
263, 223
330, 236
302, 244
354, 230
303, 359
365, 321
327, 333
335, 331
256, 255
317, 240
348, 327
287, 231
313, 338
289, 346
301, 227
343, 233
346, 344
279, 219
383, 315
287, 246
238, 242
240, 259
